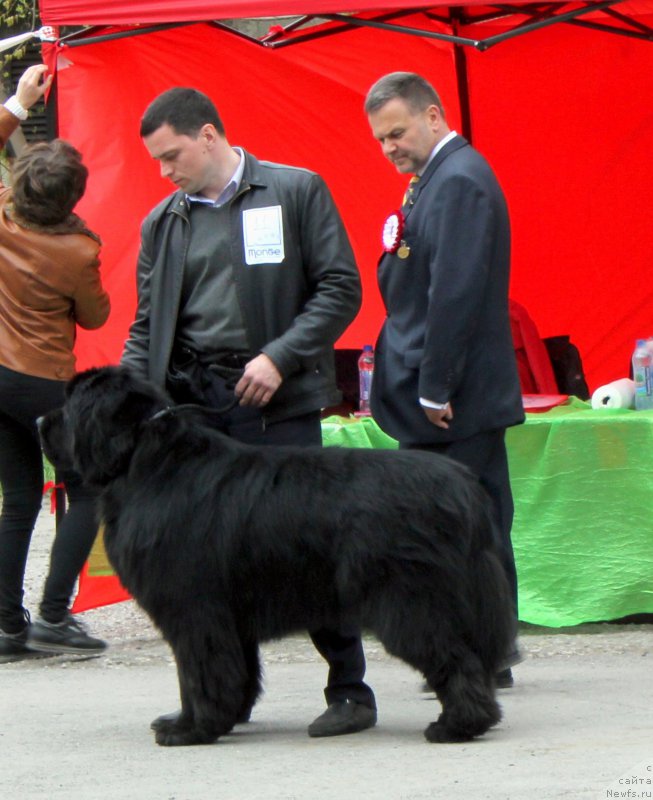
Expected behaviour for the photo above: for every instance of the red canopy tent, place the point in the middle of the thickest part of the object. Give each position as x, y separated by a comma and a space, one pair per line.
562, 113
556, 95
556, 112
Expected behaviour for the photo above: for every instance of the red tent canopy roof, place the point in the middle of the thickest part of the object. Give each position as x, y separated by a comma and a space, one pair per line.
137, 12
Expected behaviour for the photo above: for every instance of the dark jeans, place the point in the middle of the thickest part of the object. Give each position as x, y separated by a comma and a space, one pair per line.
485, 454
23, 399
342, 649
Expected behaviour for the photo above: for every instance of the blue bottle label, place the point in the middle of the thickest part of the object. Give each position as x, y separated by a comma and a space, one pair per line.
365, 384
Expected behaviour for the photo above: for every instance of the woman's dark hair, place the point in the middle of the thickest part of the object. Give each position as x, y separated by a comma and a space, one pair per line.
49, 179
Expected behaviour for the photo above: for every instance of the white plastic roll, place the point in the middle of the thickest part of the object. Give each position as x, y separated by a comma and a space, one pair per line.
618, 394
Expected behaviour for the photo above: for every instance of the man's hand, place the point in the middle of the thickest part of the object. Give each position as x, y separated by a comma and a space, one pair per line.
32, 85
439, 416
260, 381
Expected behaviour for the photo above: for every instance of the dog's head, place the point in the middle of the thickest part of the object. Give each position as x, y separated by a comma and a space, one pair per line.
98, 427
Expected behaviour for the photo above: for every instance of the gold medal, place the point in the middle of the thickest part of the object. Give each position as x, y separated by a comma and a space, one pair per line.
403, 251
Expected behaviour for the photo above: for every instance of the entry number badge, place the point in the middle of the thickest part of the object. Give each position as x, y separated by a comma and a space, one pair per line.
263, 235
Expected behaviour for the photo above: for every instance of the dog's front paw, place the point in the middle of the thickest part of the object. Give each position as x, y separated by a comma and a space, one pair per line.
181, 736
177, 729
164, 722
439, 733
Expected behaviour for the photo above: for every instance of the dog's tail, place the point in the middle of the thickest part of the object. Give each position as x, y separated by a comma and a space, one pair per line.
495, 619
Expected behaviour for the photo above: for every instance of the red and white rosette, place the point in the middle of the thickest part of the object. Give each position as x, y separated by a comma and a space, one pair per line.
393, 230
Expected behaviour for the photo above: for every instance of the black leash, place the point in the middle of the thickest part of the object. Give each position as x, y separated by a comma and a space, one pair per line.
207, 410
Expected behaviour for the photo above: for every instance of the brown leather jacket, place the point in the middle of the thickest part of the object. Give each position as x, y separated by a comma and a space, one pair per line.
49, 283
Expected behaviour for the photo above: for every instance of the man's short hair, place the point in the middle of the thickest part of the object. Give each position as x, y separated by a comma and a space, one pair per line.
185, 110
48, 180
417, 92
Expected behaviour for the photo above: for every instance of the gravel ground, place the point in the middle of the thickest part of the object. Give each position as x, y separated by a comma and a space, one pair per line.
133, 640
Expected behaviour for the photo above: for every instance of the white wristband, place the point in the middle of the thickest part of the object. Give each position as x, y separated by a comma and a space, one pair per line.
12, 105
432, 404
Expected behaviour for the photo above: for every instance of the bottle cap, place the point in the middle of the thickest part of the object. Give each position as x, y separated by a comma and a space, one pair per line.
367, 347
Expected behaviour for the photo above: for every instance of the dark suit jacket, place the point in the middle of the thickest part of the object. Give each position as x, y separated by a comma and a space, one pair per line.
447, 332
293, 311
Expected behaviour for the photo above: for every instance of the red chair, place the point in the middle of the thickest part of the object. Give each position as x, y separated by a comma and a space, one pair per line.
533, 362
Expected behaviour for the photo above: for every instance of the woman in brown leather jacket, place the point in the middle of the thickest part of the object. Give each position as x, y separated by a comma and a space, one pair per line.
49, 284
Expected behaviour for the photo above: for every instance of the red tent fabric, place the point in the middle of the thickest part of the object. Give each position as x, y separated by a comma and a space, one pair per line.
561, 114
125, 12
563, 131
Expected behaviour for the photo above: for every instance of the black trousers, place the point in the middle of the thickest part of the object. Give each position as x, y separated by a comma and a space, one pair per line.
485, 454
341, 649
24, 398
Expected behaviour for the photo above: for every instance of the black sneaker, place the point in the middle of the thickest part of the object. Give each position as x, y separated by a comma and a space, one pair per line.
346, 716
68, 636
13, 646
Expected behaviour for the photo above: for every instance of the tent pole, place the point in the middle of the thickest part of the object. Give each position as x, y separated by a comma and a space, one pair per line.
108, 37
51, 112
597, 26
462, 82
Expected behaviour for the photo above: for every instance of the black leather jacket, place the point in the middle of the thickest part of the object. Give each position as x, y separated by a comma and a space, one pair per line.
293, 311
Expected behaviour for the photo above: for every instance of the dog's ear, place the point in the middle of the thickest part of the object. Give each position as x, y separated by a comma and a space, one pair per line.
134, 407
105, 410
54, 440
88, 375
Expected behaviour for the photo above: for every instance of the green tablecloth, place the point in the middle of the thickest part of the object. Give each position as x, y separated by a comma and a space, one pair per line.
583, 531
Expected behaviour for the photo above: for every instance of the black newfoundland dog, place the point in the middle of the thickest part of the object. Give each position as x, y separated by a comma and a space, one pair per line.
227, 545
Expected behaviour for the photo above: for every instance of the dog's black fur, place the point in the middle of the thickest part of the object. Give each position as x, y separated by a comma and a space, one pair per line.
227, 545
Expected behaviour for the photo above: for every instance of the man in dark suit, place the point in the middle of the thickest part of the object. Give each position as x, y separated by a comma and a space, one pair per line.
445, 377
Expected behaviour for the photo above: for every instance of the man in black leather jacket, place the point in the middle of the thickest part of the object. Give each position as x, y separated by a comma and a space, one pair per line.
246, 279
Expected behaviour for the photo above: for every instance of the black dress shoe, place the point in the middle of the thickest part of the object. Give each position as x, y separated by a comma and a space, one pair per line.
504, 679
345, 716
511, 660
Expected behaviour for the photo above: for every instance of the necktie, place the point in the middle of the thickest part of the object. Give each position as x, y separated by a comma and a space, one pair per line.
410, 191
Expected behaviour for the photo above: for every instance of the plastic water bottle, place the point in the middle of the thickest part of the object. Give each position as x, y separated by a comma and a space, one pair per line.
642, 360
365, 374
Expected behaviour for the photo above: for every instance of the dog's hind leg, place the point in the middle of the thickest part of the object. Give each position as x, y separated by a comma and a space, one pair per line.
212, 676
466, 693
431, 644
252, 688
